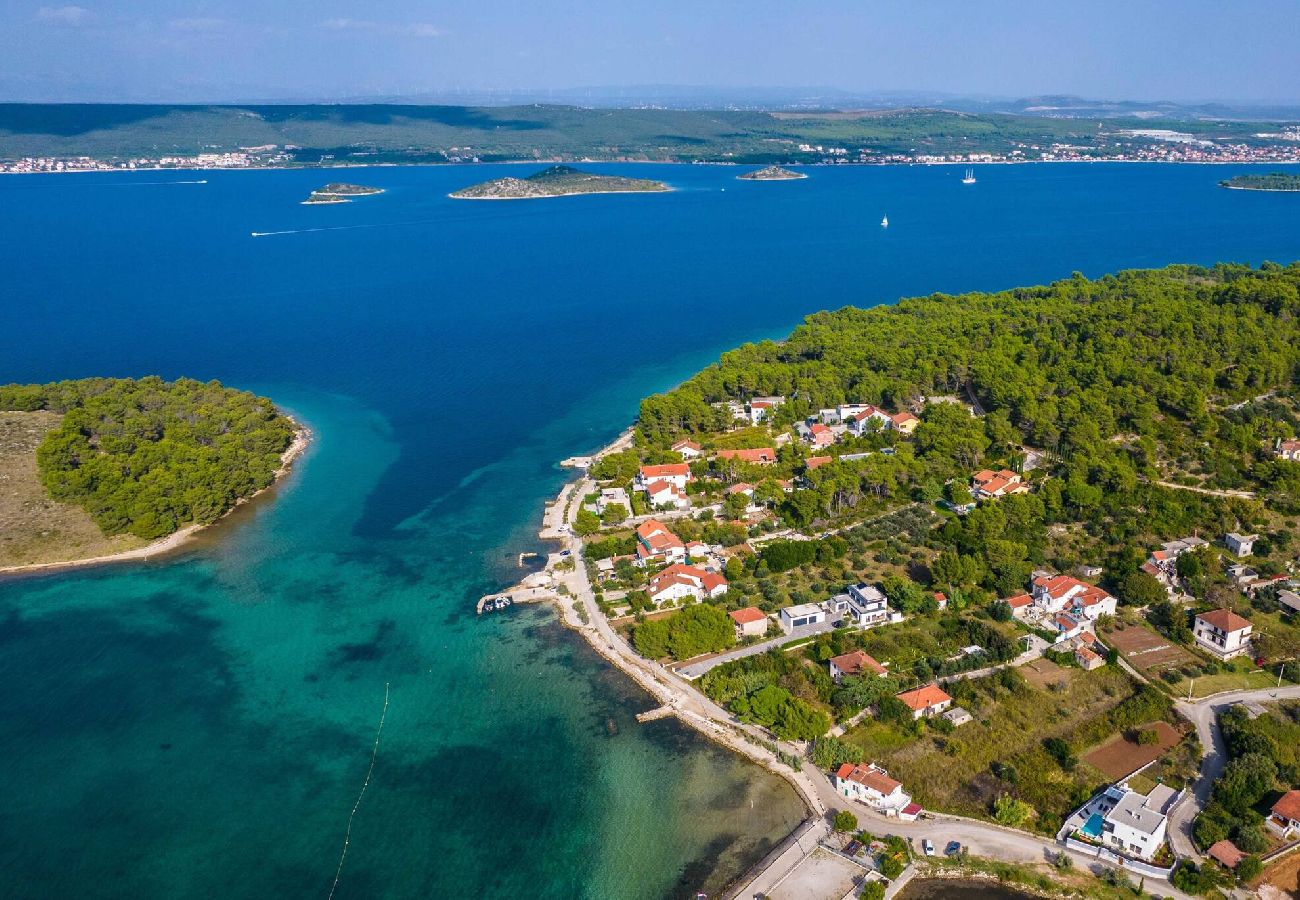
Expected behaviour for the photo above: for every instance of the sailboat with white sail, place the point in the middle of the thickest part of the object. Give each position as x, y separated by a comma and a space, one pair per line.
970, 177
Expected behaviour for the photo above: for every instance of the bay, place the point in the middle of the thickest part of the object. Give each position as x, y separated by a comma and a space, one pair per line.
203, 725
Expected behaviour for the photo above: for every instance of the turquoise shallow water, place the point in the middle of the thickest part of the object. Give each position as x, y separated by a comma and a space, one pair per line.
201, 727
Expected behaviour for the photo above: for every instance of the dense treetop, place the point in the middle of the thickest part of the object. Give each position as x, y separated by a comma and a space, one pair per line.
146, 456
1069, 363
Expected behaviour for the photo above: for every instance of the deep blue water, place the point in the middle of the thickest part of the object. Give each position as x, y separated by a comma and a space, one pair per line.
201, 727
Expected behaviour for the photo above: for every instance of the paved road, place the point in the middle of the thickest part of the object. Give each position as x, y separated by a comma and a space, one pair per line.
983, 839
1204, 714
693, 671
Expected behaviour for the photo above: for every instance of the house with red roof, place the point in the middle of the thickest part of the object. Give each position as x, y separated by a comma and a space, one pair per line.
1020, 605
814, 462
1284, 818
679, 581
1226, 853
1287, 450
760, 456
820, 435
987, 484
687, 449
868, 783
868, 418
750, 622
857, 663
904, 422
674, 473
929, 700
760, 407
655, 543
1065, 593
662, 494
1222, 632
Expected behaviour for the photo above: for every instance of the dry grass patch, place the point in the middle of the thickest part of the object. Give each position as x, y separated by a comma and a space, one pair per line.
34, 528
1121, 755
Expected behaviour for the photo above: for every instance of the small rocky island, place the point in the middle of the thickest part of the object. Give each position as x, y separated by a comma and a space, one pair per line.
1273, 181
557, 181
339, 192
771, 173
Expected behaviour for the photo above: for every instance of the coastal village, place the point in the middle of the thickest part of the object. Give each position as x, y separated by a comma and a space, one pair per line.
913, 711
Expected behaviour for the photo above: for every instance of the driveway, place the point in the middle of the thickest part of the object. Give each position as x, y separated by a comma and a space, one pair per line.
693, 670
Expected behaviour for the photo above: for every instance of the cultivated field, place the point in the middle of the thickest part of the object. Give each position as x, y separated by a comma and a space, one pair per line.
1120, 756
34, 528
1147, 651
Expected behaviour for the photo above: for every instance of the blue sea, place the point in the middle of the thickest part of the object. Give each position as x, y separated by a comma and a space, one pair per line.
202, 726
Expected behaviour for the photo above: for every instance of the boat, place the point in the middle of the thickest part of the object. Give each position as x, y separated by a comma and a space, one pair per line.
884, 223
970, 177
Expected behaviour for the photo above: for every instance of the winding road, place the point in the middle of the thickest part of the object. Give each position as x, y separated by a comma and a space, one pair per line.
982, 838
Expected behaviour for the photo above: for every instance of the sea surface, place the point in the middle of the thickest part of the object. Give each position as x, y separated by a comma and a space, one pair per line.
202, 726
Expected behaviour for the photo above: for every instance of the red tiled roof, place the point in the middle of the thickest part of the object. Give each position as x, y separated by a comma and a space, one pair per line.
658, 487
905, 416
747, 615
818, 428
665, 471
813, 462
739, 488
686, 445
924, 697
869, 776
755, 455
1226, 852
1224, 620
655, 536
912, 809
1019, 600
853, 663
1087, 654
1288, 806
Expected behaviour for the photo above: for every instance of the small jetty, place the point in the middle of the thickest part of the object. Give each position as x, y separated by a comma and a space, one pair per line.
524, 558
577, 462
659, 712
507, 599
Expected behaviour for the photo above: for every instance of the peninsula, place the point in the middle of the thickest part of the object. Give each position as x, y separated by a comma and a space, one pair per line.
339, 192
106, 469
1273, 181
557, 181
941, 527
772, 173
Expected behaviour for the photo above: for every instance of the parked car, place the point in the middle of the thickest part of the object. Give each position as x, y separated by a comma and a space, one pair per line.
928, 846
953, 848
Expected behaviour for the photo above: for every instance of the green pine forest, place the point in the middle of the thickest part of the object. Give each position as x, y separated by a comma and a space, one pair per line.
146, 456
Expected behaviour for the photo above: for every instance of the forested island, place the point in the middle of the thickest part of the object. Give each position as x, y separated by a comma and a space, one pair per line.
557, 181
1273, 181
103, 465
339, 192
772, 173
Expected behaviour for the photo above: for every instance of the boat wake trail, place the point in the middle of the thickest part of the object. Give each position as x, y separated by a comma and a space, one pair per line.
347, 835
258, 234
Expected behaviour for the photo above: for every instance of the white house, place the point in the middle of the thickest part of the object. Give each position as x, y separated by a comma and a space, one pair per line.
1067, 626
869, 417
930, 700
870, 784
750, 622
1222, 632
687, 449
666, 493
862, 605
857, 663
680, 581
759, 407
1133, 823
1284, 818
793, 617
1240, 544
1064, 593
673, 473
1288, 450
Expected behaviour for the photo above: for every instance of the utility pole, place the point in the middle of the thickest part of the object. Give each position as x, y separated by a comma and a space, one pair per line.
1280, 670
1190, 685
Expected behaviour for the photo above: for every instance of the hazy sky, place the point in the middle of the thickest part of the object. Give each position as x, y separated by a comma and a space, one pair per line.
226, 49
